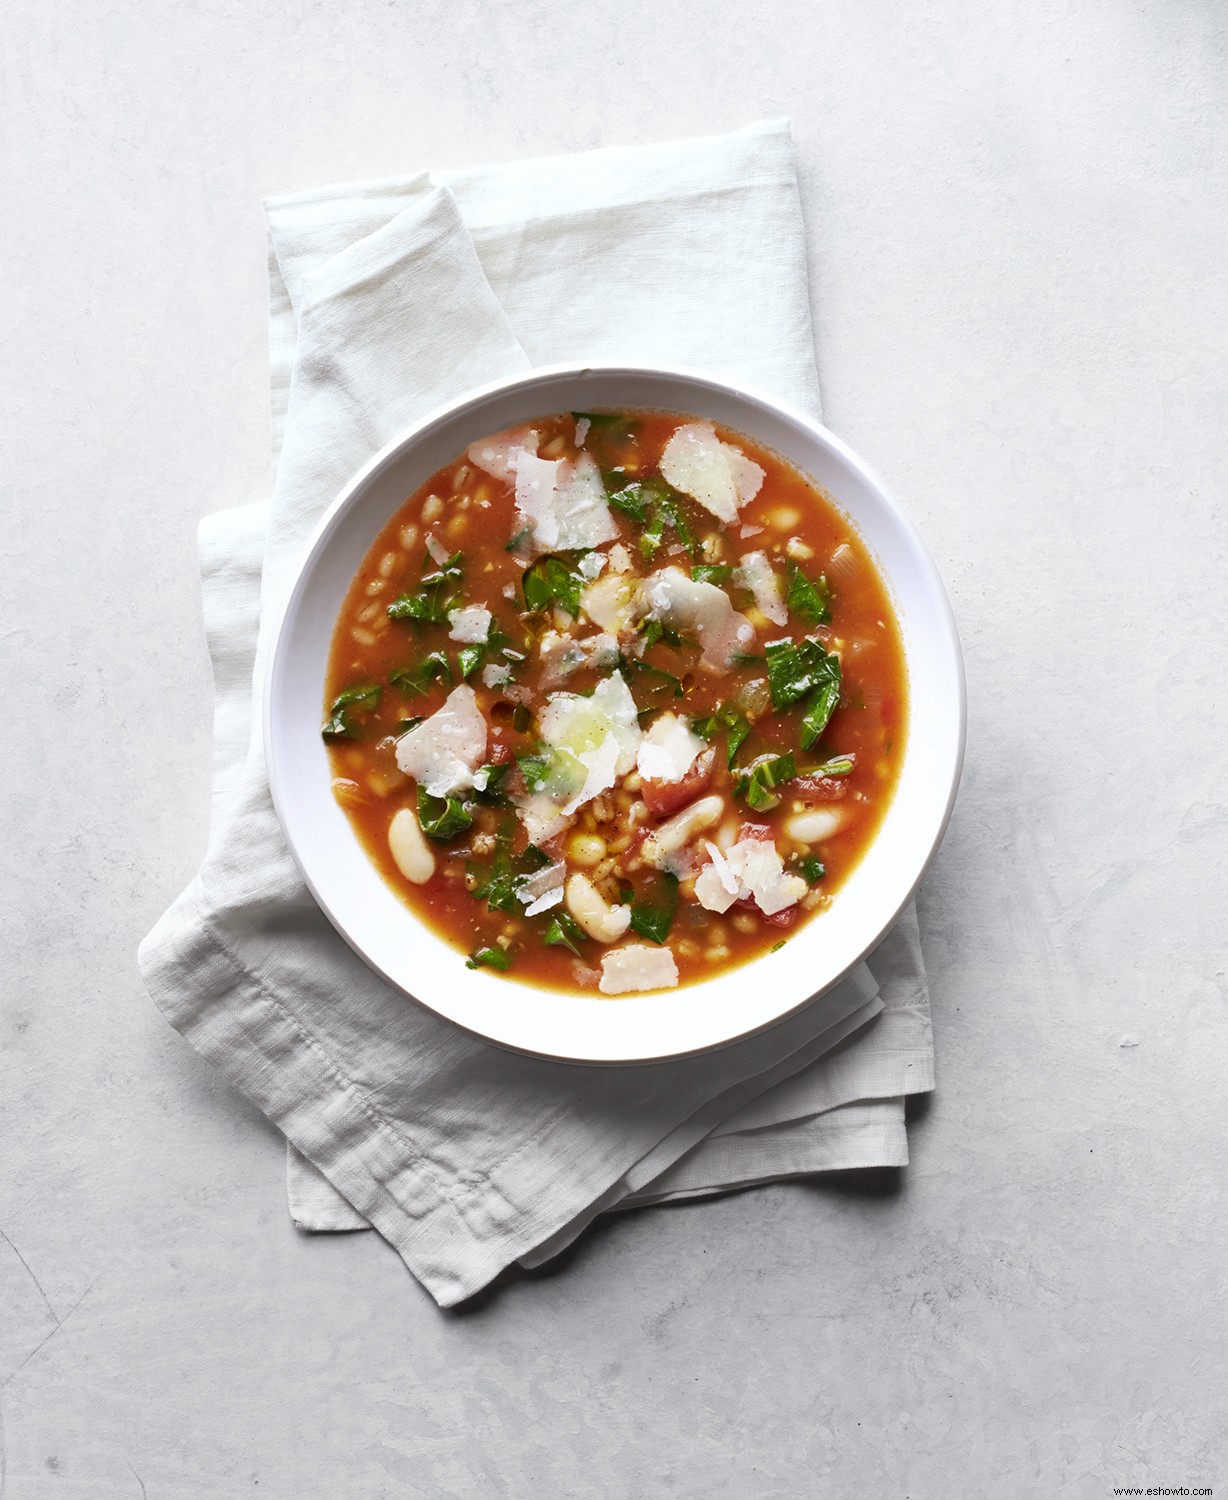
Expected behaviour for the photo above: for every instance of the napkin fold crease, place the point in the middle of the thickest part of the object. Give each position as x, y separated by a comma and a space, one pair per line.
386, 300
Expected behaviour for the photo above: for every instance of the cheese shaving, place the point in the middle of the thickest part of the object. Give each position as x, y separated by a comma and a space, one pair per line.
751, 870
757, 574
716, 474
701, 609
637, 967
470, 625
669, 749
443, 752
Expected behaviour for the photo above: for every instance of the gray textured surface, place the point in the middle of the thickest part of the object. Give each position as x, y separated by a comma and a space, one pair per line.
1018, 252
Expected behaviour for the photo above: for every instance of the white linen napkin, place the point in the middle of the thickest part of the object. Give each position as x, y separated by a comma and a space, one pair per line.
386, 300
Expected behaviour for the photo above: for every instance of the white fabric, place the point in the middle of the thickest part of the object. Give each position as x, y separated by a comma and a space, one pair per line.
386, 300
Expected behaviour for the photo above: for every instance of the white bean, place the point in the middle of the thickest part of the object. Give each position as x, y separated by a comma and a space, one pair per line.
681, 829
603, 922
409, 848
814, 826
727, 834
587, 849
384, 782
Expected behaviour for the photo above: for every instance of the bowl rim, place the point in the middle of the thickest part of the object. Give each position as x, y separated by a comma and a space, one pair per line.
544, 376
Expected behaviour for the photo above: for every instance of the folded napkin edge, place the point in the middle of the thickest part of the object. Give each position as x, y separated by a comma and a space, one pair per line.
372, 189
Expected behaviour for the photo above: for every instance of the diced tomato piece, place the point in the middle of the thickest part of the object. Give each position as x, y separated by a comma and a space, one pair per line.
665, 797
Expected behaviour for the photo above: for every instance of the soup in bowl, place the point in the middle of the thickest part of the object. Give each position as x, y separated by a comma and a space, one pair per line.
614, 714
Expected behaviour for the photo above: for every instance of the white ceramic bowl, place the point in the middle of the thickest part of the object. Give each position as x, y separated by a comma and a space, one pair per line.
569, 1026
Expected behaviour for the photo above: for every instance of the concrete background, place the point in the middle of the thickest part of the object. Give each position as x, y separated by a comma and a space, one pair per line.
1017, 231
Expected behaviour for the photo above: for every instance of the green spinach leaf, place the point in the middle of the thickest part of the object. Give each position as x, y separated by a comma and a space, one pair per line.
757, 783
838, 765
565, 932
808, 599
418, 679
795, 668
490, 958
652, 917
550, 581
339, 724
732, 720
442, 818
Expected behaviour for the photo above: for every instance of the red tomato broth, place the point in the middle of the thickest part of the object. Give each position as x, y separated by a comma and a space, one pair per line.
473, 513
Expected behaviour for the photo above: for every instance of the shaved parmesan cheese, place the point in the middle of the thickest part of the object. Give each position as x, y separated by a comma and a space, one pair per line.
470, 625
620, 558
637, 967
562, 654
439, 553
579, 725
561, 503
748, 477
591, 742
544, 903
582, 426
755, 870
757, 574
542, 883
494, 676
724, 874
535, 483
600, 767
693, 462
610, 602
580, 503
702, 609
496, 455
710, 891
668, 751
590, 565
542, 817
716, 474
444, 751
